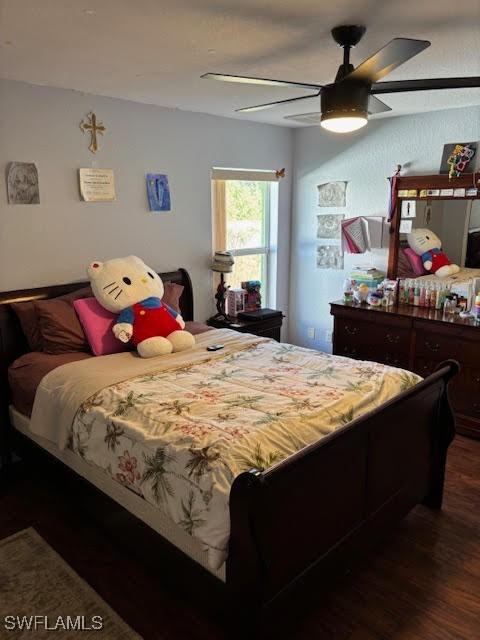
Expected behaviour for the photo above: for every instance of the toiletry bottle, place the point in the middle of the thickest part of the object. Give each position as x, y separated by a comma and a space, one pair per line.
438, 301
476, 309
416, 294
428, 296
433, 297
422, 296
401, 290
411, 292
407, 291
347, 290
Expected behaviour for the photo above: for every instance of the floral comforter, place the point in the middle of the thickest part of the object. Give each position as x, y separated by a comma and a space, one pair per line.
179, 437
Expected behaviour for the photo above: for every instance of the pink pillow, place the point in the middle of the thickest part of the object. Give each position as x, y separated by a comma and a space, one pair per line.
416, 261
97, 323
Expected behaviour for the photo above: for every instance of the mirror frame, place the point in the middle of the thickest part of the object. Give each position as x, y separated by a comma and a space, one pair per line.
439, 181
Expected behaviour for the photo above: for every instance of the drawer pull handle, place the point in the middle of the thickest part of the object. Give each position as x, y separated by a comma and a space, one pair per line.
393, 339
432, 346
351, 330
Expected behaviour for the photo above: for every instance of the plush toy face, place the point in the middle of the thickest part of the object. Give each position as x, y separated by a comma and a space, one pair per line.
423, 240
122, 282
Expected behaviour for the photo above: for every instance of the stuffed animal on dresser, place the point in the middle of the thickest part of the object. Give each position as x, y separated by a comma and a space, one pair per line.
128, 287
428, 246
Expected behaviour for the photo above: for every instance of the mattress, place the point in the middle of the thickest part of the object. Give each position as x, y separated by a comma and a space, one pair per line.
26, 372
177, 430
136, 505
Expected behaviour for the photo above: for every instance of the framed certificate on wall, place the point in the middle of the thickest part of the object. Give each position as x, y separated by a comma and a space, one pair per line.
97, 185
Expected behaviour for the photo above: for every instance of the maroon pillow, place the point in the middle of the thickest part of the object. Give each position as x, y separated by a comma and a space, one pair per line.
60, 327
404, 266
27, 316
172, 295
26, 313
196, 327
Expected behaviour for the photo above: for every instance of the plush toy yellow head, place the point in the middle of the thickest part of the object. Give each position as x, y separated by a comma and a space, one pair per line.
129, 287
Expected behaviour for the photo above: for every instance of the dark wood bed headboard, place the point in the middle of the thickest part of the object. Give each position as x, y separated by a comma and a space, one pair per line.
12, 341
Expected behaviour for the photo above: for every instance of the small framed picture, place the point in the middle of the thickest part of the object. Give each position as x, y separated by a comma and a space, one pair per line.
409, 209
405, 226
158, 192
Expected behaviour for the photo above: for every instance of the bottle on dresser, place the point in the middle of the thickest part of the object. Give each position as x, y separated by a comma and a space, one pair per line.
416, 294
421, 301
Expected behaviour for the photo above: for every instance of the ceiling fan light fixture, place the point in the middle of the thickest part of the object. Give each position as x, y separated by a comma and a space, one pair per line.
343, 123
344, 106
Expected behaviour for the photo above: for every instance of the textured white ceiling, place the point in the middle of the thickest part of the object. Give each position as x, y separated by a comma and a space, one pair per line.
154, 51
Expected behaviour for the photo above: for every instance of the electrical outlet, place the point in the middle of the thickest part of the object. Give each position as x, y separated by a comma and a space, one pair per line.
328, 336
311, 333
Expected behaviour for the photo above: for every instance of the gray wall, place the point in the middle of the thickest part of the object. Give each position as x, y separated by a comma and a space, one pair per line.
364, 158
54, 241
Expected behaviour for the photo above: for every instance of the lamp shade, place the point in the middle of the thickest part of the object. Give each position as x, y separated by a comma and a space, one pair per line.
223, 262
344, 106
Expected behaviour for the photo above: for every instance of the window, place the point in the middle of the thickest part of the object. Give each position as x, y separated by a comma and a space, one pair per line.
245, 210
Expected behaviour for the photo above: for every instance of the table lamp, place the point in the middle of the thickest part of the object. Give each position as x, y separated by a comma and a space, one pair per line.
222, 263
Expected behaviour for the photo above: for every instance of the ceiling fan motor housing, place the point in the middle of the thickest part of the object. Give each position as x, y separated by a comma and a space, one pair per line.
344, 99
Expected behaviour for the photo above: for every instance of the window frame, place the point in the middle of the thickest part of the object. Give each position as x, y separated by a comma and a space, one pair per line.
220, 222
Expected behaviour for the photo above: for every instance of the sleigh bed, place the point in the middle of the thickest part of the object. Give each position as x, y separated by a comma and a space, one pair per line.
312, 511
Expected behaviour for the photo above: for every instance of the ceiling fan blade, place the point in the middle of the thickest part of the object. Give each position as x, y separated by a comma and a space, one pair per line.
306, 118
426, 85
377, 106
261, 81
391, 56
267, 105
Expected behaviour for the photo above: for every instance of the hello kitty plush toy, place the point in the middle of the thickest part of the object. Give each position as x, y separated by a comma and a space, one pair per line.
128, 287
428, 246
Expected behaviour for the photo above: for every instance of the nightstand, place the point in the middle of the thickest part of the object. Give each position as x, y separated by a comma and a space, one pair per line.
267, 328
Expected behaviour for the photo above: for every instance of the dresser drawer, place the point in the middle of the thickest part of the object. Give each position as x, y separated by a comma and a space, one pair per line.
394, 359
370, 341
350, 351
353, 339
424, 366
435, 346
465, 392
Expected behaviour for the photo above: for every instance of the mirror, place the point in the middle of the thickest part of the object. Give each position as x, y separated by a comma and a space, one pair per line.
456, 222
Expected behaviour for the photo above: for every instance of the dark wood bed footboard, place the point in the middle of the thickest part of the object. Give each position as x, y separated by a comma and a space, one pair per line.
323, 507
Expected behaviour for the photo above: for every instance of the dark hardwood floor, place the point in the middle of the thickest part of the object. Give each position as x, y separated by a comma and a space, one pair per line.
423, 583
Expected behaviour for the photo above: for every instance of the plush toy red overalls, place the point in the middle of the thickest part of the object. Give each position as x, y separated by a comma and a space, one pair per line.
437, 257
150, 317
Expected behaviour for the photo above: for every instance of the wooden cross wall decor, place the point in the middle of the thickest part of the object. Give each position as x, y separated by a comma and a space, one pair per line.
91, 126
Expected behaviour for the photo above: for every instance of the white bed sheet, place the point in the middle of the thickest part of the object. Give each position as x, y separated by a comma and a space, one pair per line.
139, 507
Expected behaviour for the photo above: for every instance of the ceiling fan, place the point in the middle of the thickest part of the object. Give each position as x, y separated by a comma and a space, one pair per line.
347, 102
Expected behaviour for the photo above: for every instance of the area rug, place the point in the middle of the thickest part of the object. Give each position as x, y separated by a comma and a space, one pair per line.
42, 597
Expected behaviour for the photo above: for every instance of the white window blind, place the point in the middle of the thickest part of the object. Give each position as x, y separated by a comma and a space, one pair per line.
255, 175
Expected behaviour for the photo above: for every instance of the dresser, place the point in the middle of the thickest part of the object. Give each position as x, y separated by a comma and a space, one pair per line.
417, 339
